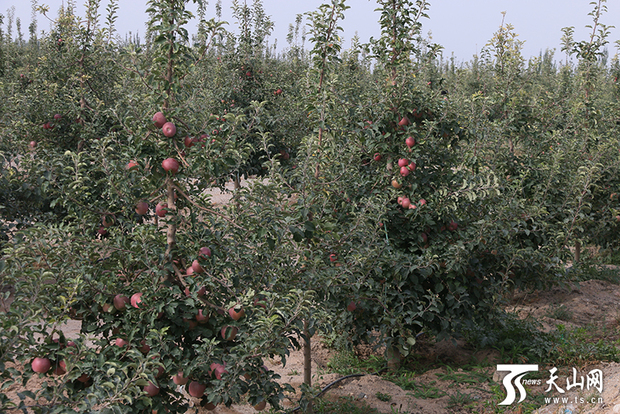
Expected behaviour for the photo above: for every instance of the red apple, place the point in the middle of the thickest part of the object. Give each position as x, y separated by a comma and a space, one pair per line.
102, 231
151, 389
106, 221
210, 406
120, 342
170, 164
131, 164
412, 166
205, 252
351, 306
333, 257
422, 202
57, 117
61, 368
136, 298
229, 332
396, 184
169, 129
377, 156
159, 371
406, 202
404, 121
424, 237
284, 155
189, 271
41, 365
120, 302
400, 200
179, 379
159, 119
403, 162
196, 389
84, 378
218, 370
404, 171
453, 226
33, 144
192, 323
189, 141
258, 302
144, 347
161, 209
202, 318
196, 266
278, 91
260, 406
236, 315
410, 142
142, 208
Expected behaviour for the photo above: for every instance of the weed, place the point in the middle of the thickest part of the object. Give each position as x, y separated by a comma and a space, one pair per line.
463, 377
519, 341
587, 271
346, 363
383, 397
561, 313
460, 400
426, 391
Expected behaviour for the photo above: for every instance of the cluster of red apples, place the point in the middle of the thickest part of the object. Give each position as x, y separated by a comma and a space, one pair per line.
122, 303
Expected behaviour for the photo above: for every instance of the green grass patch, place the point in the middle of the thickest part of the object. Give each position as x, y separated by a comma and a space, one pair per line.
470, 377
347, 363
383, 397
591, 271
560, 312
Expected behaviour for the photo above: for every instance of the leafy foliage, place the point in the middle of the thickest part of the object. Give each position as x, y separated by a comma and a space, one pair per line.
395, 194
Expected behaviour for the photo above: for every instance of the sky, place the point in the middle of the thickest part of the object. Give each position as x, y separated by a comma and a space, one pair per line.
462, 27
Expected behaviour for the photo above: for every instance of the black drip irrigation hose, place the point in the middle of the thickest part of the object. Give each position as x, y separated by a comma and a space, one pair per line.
331, 384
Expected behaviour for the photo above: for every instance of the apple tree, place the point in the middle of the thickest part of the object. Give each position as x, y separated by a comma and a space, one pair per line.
417, 237
175, 295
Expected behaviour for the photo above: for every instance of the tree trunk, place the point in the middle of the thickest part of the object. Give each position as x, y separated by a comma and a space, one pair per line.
577, 251
394, 358
307, 362
172, 227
